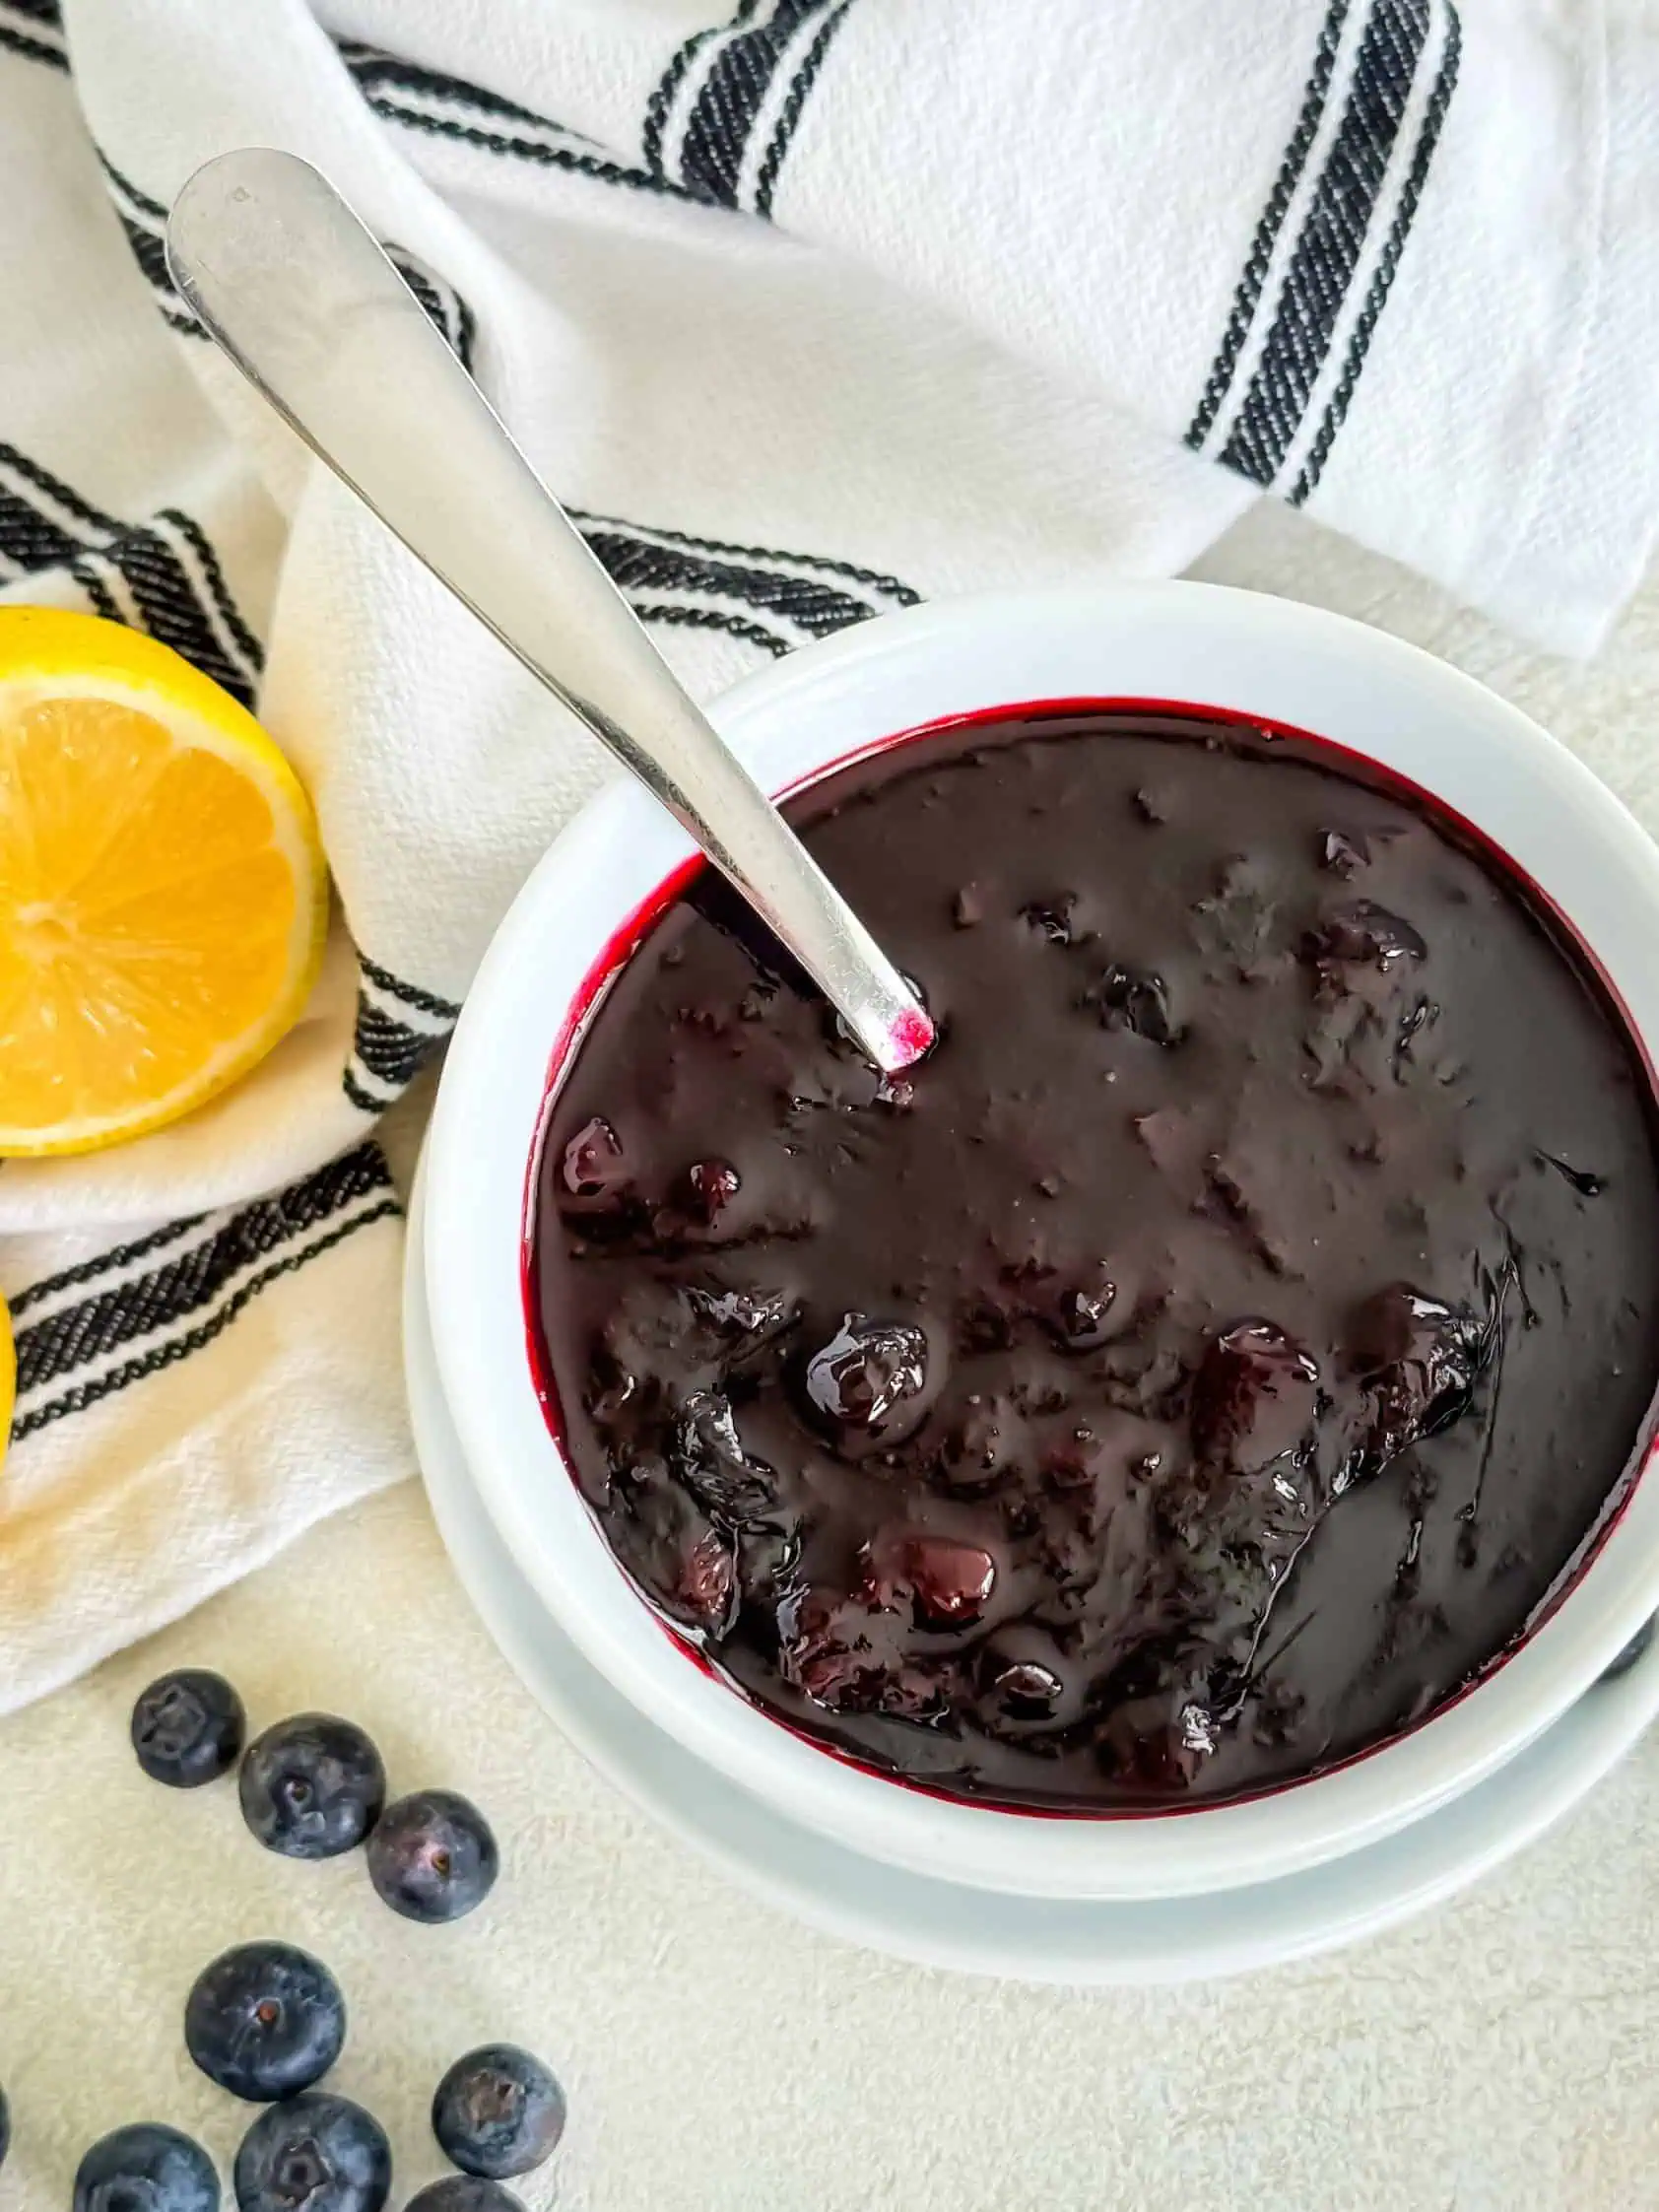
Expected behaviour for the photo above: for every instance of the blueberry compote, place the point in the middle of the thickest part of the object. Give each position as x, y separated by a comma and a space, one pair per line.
1211, 1358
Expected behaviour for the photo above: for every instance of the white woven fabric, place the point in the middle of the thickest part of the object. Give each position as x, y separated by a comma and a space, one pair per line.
810, 309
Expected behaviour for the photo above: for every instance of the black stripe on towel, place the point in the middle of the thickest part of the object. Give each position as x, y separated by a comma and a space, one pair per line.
1322, 266
805, 77
178, 1348
202, 546
179, 1288
168, 600
104, 1263
385, 1048
675, 617
142, 202
33, 31
30, 540
363, 1100
54, 488
160, 593
144, 220
443, 305
44, 524
97, 590
412, 994
27, 48
425, 99
393, 1051
646, 561
1247, 298
731, 94
146, 251
885, 586
373, 69
660, 106
814, 608
1376, 292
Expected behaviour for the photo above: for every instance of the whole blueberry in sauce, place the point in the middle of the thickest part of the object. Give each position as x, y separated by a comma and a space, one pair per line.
1216, 1354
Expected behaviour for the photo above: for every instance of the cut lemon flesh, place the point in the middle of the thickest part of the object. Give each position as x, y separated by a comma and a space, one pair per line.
162, 891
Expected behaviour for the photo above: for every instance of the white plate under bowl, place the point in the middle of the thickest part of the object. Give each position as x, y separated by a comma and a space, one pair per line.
940, 1923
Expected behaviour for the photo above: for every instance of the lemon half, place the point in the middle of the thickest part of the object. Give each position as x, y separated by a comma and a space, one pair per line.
164, 896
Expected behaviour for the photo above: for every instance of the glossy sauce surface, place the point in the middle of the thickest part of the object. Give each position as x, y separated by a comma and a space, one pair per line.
1204, 1365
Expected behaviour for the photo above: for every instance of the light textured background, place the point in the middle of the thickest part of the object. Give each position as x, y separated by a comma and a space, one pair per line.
1501, 2056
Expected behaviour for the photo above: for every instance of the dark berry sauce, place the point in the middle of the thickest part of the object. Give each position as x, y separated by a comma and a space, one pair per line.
1203, 1365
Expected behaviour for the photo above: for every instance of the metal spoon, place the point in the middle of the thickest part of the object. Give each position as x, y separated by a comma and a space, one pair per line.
284, 276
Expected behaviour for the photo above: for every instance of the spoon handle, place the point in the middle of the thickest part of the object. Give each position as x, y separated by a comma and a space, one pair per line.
296, 292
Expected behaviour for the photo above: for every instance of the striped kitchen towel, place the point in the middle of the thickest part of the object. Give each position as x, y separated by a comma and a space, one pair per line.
812, 309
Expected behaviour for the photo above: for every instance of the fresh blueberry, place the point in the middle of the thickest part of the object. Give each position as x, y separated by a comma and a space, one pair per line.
499, 2112
432, 1856
187, 1728
316, 2153
311, 1787
464, 2192
145, 2169
264, 2021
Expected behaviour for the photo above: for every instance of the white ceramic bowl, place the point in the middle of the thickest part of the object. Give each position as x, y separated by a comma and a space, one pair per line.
1168, 642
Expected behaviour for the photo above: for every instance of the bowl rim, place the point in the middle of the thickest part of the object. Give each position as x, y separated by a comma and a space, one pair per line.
1208, 641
